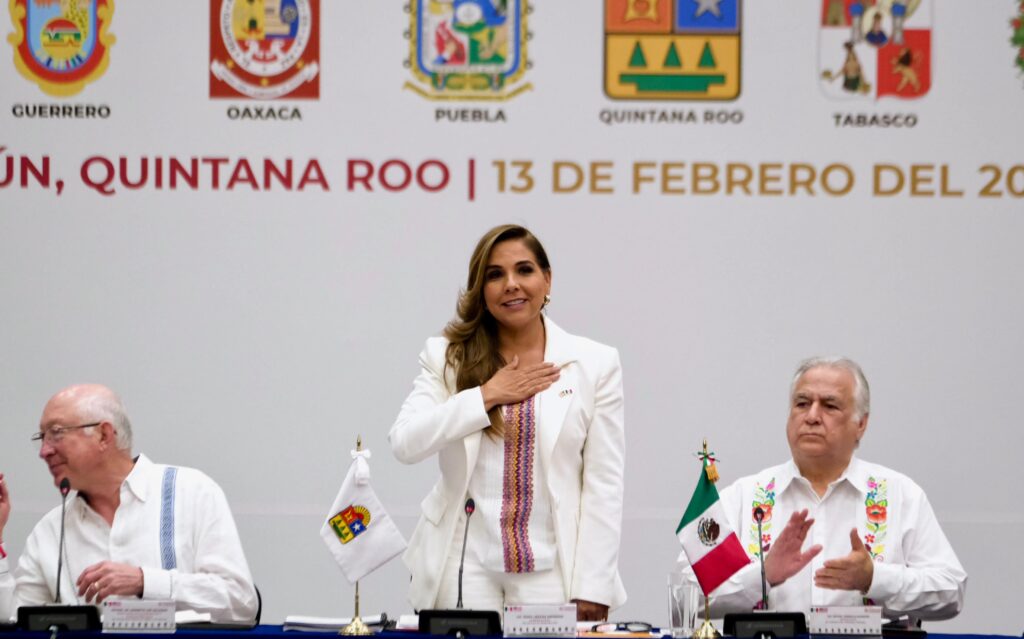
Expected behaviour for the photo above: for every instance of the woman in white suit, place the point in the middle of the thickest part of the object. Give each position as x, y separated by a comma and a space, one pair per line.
527, 420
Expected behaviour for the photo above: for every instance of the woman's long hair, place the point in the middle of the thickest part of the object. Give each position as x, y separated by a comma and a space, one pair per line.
473, 334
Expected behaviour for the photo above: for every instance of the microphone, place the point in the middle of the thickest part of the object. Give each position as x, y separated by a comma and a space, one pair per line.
65, 488
459, 622
470, 508
759, 517
762, 624
66, 617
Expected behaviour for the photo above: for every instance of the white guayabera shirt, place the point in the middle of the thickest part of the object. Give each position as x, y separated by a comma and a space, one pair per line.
173, 522
916, 571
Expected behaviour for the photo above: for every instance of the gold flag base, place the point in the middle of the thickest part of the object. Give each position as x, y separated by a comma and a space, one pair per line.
356, 629
706, 630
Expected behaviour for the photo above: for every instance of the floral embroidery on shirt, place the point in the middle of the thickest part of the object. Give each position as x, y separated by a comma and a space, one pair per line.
876, 506
764, 498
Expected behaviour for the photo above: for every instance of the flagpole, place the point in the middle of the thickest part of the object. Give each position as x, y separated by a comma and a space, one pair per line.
357, 627
706, 630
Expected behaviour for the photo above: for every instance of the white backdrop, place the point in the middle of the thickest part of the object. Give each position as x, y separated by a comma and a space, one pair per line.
254, 334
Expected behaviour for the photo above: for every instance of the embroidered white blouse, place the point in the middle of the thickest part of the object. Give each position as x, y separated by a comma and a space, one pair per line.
512, 530
209, 573
916, 570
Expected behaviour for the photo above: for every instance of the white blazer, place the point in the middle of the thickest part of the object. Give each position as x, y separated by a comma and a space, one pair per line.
581, 450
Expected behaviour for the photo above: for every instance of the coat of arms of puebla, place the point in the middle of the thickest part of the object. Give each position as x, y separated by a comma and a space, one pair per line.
264, 49
61, 45
672, 49
468, 49
874, 48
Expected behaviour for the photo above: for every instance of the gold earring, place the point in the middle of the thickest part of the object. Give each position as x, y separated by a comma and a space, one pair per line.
547, 300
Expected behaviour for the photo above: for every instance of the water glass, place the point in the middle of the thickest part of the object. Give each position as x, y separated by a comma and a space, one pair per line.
683, 604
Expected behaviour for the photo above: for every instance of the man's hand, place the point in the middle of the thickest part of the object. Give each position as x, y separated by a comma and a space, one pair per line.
785, 558
102, 580
852, 572
5, 505
590, 611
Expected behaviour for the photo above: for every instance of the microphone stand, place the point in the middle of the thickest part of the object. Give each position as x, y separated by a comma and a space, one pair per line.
762, 624
65, 488
58, 617
460, 622
759, 517
470, 509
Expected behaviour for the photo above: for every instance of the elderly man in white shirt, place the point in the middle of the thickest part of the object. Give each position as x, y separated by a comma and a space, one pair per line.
873, 534
134, 528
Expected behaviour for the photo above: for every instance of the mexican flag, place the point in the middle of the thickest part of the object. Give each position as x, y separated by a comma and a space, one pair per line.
709, 542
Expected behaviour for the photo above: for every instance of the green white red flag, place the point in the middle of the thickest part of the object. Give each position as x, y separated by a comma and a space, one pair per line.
710, 543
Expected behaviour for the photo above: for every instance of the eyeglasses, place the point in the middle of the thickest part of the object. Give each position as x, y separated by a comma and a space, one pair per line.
628, 626
55, 434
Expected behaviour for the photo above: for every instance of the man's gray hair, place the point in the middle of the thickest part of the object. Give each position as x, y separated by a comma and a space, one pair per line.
108, 407
861, 390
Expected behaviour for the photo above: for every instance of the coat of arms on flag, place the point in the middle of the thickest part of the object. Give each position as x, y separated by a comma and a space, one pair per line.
711, 545
350, 523
61, 45
874, 48
672, 49
468, 49
358, 544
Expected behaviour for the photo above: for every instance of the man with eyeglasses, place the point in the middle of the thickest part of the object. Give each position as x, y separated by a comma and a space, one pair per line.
132, 529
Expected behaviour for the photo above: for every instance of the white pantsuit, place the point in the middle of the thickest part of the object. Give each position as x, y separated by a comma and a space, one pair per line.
581, 448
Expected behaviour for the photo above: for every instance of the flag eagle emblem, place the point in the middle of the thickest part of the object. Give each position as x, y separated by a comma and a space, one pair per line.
707, 531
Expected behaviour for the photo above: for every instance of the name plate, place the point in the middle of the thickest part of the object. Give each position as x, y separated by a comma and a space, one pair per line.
138, 615
540, 621
846, 620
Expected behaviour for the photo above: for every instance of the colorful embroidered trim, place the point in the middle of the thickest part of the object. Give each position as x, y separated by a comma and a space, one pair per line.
876, 505
764, 498
168, 557
517, 489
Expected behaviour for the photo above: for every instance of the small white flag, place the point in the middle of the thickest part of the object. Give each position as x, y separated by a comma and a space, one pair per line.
358, 531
